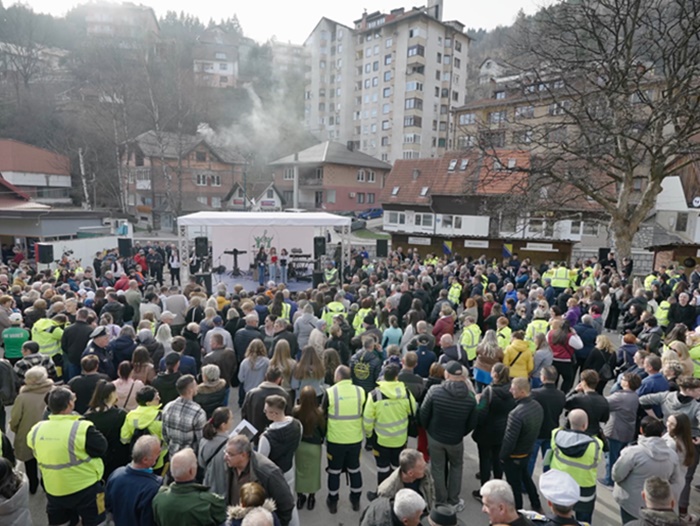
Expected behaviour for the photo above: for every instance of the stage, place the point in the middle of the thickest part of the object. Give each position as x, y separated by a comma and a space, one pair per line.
246, 233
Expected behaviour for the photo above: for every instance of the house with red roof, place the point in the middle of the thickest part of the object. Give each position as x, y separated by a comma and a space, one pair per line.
41, 174
471, 203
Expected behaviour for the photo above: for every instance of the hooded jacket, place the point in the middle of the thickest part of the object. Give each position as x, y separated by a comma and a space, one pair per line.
578, 454
649, 517
674, 402
121, 349
495, 404
252, 374
651, 456
145, 417
15, 510
237, 513
519, 358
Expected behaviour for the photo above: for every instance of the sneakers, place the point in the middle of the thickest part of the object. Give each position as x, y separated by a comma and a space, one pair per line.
477, 495
332, 506
459, 507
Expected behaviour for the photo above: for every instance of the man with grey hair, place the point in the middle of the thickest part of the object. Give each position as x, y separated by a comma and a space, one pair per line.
412, 473
130, 489
422, 335
498, 502
186, 502
659, 503
406, 509
247, 334
242, 465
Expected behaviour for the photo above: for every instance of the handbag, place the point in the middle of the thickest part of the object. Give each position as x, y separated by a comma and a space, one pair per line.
412, 420
606, 372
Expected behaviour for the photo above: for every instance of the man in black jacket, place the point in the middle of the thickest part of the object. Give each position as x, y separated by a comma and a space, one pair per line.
552, 401
584, 396
246, 335
448, 413
253, 409
73, 342
522, 429
365, 366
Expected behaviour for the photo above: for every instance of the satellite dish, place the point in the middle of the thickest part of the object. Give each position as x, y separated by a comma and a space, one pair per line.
696, 201
689, 262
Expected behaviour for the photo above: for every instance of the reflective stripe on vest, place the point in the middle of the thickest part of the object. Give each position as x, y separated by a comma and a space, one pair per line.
345, 423
336, 406
454, 293
73, 458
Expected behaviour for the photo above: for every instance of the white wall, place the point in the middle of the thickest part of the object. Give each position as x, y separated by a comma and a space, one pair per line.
83, 249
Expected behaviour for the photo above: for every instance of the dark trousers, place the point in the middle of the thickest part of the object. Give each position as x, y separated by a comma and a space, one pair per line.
489, 461
87, 504
3, 418
387, 459
566, 373
30, 466
344, 457
517, 476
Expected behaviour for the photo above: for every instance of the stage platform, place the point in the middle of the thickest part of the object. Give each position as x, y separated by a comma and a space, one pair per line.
250, 284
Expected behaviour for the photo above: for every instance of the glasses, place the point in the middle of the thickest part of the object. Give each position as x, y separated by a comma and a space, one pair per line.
229, 454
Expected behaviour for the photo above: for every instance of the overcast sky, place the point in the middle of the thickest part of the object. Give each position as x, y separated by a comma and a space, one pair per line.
290, 20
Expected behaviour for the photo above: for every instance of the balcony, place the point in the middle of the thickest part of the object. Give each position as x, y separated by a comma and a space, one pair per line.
311, 181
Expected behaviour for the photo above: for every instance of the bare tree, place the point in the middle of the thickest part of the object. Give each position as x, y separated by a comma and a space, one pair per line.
608, 102
21, 47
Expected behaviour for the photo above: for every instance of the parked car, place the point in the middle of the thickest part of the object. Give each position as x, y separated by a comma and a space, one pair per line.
356, 224
371, 213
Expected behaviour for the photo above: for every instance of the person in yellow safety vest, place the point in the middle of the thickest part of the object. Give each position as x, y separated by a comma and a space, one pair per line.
332, 309
503, 332
67, 450
649, 280
366, 308
538, 325
694, 353
574, 274
471, 335
560, 278
578, 454
342, 405
661, 314
47, 332
455, 291
146, 419
330, 275
588, 279
387, 412
548, 274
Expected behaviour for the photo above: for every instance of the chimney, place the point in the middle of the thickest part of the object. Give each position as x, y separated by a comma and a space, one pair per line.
415, 174
434, 9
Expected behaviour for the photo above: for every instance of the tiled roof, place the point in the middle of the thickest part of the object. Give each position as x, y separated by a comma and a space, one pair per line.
330, 152
457, 173
150, 144
17, 156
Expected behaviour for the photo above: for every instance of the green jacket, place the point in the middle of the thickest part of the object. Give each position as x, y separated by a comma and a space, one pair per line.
188, 504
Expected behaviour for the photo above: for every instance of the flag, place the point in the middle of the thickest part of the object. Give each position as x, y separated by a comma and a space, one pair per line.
447, 247
507, 250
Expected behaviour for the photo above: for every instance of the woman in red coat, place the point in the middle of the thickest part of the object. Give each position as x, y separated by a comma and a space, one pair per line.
445, 323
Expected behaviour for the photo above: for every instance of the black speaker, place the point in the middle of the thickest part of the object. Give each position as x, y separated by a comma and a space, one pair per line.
44, 253
201, 247
603, 253
319, 246
204, 280
317, 278
382, 248
125, 248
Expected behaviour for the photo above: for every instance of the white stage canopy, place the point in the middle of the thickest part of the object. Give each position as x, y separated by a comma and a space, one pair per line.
249, 231
317, 219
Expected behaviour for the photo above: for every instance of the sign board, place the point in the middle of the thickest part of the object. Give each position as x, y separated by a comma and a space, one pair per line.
474, 243
540, 247
424, 241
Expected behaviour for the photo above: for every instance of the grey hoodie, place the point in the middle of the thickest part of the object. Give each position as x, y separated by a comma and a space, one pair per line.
651, 456
252, 374
15, 510
670, 404
303, 327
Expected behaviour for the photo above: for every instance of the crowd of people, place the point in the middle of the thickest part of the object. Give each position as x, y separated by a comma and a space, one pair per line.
121, 391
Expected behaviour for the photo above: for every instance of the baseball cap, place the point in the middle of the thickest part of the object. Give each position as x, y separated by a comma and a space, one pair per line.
454, 368
559, 488
445, 516
99, 331
16, 317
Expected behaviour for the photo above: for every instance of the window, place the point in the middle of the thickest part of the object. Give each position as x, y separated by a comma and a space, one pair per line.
201, 180
387, 76
637, 184
424, 191
439, 58
452, 165
559, 108
417, 50
371, 176
200, 157
425, 220
385, 141
386, 125
223, 66
203, 200
270, 194
414, 104
395, 190
466, 141
508, 223
590, 228
467, 118
412, 120
447, 59
288, 196
375, 65
368, 67
240, 192
524, 112
497, 166
682, 221
387, 59
414, 86
386, 92
360, 176
496, 139
397, 218
360, 198
511, 164
375, 81
458, 63
215, 180
216, 202
450, 221
458, 46
416, 32
220, 56
496, 117
289, 174
330, 196
522, 137
388, 42
536, 226
370, 199
138, 158
576, 228
411, 138
463, 165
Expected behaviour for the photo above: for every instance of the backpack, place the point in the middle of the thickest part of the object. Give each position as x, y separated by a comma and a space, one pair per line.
138, 433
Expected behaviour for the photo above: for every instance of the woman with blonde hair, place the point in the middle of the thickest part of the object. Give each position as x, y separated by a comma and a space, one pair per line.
254, 366
679, 351
602, 360
282, 359
309, 371
208, 322
164, 336
142, 366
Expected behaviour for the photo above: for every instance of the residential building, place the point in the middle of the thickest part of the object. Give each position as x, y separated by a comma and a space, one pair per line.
490, 70
41, 174
125, 22
215, 58
330, 177
474, 204
169, 174
407, 73
259, 196
287, 57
